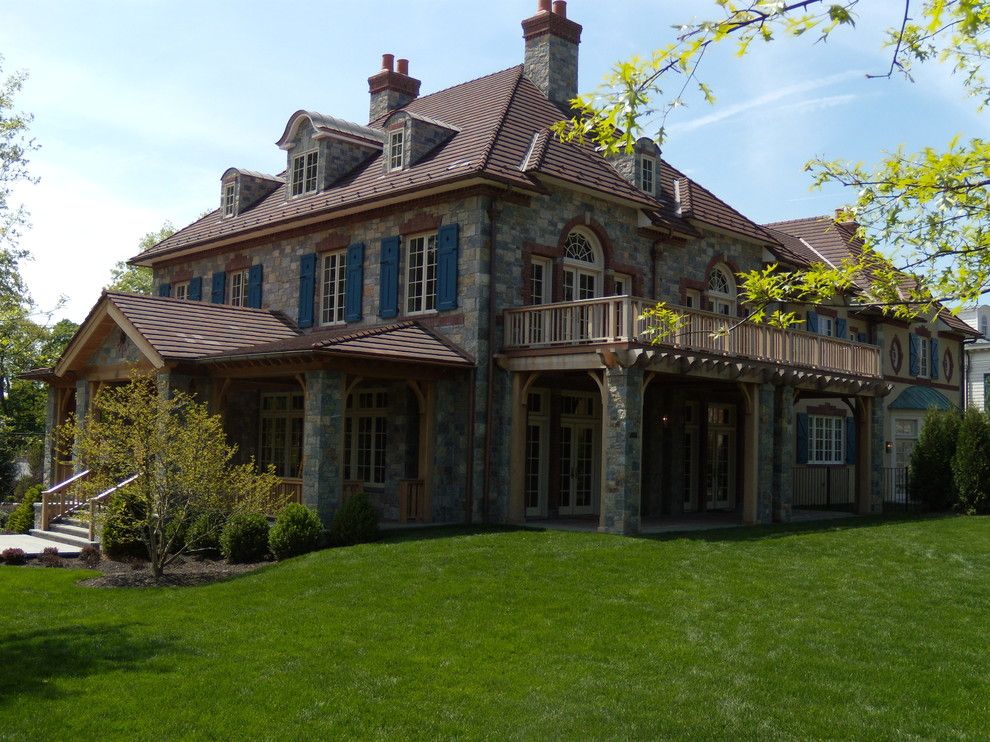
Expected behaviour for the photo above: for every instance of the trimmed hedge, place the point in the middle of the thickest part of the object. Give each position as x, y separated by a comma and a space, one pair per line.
932, 479
122, 539
971, 463
21, 520
245, 538
203, 534
355, 522
297, 530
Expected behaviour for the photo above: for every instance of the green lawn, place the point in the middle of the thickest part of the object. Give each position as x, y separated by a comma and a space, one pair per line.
875, 629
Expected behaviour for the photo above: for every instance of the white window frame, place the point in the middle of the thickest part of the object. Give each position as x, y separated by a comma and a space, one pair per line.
924, 357
396, 148
621, 284
692, 298
647, 175
292, 412
984, 326
333, 285
180, 290
229, 200
826, 326
826, 439
366, 421
237, 294
305, 168
723, 302
541, 281
421, 274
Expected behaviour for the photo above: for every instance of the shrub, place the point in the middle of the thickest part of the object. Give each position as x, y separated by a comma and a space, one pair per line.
90, 556
297, 530
23, 484
971, 463
3, 519
21, 520
204, 532
50, 558
13, 556
122, 538
355, 522
931, 461
245, 538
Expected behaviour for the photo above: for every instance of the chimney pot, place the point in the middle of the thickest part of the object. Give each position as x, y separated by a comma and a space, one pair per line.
543, 6
403, 66
560, 8
387, 60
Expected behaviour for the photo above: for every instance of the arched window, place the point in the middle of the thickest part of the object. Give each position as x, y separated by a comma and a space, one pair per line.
722, 290
582, 266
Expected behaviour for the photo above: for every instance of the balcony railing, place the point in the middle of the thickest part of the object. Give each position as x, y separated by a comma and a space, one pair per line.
619, 319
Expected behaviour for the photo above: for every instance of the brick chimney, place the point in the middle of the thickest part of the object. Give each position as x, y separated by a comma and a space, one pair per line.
391, 88
551, 61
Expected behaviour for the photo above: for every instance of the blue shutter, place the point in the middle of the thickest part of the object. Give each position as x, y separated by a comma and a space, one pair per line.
447, 251
195, 289
354, 287
811, 324
801, 425
307, 289
850, 440
933, 344
218, 288
914, 350
388, 300
165, 289
254, 286
842, 329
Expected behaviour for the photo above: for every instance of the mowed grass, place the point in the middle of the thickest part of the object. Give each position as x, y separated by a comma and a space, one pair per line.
866, 630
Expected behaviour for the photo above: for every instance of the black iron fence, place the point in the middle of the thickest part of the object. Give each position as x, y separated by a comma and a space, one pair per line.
823, 488
897, 489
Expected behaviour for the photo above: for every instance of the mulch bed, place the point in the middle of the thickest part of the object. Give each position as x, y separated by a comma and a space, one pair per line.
183, 572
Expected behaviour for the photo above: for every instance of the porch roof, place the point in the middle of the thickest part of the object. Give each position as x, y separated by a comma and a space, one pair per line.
920, 398
408, 342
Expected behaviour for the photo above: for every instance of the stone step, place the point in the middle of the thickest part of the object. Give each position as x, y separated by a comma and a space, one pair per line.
78, 522
69, 529
63, 538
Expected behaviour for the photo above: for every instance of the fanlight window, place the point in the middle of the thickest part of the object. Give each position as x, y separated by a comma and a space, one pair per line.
578, 247
718, 282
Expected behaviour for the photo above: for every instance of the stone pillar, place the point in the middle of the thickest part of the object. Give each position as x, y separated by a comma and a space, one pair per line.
622, 417
758, 455
323, 442
445, 436
83, 389
878, 423
783, 453
51, 422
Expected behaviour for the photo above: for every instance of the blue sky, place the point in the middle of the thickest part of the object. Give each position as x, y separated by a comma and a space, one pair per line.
140, 105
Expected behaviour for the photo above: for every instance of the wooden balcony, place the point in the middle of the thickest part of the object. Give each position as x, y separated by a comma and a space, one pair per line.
619, 319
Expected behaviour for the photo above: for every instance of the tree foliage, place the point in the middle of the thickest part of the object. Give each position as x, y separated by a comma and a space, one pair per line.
136, 278
923, 215
181, 457
931, 460
971, 463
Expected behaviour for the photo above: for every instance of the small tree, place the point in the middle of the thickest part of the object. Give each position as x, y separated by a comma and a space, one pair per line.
180, 453
971, 463
931, 461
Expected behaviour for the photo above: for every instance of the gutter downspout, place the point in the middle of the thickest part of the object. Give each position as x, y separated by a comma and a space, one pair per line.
489, 413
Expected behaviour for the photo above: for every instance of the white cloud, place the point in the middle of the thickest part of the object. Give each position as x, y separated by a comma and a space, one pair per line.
763, 101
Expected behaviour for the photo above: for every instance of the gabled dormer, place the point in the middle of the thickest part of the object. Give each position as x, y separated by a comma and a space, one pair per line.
410, 137
641, 167
242, 189
322, 149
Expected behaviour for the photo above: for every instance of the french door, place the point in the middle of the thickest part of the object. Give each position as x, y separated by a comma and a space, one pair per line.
577, 468
536, 468
721, 464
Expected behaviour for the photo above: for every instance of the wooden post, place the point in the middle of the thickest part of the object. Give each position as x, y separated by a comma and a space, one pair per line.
517, 450
751, 452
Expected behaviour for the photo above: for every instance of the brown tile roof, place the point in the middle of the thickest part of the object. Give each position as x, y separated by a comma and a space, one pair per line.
400, 342
814, 239
501, 122
183, 330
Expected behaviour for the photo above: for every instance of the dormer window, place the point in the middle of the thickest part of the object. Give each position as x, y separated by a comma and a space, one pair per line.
647, 174
396, 144
228, 199
304, 173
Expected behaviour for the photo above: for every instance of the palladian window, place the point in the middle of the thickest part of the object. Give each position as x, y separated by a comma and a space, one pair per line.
722, 291
582, 267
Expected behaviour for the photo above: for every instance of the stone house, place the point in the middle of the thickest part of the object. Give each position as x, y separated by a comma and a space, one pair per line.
442, 307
